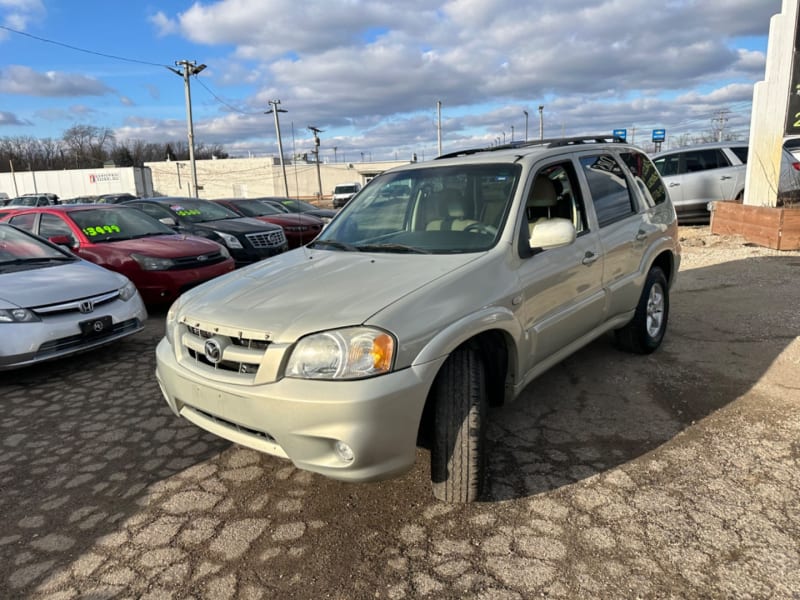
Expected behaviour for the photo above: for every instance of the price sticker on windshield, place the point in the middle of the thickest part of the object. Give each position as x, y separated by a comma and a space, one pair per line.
100, 230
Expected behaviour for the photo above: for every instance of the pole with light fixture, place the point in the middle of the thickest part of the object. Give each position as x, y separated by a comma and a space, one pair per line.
189, 68
525, 112
275, 110
541, 121
316, 131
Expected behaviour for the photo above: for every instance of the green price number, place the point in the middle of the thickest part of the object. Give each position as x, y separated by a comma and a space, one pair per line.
100, 230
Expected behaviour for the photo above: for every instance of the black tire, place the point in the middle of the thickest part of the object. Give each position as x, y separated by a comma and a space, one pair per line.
458, 453
646, 330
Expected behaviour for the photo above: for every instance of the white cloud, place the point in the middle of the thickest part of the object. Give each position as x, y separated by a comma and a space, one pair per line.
17, 79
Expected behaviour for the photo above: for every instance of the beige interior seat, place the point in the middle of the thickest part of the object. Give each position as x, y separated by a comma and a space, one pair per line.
454, 209
541, 201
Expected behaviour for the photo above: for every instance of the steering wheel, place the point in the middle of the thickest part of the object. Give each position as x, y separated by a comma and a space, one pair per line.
479, 227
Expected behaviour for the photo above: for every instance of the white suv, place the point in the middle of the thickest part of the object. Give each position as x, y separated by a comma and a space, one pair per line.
444, 287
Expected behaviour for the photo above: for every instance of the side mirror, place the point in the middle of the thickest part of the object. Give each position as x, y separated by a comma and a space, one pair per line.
168, 221
552, 233
63, 240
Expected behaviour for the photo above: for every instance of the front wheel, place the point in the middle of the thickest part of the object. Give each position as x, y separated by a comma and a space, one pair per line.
458, 453
645, 332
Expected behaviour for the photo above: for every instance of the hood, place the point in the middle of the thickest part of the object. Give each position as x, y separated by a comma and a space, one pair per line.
35, 287
164, 246
240, 225
303, 290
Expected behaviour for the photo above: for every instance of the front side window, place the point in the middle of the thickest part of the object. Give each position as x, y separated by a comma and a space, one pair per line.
52, 226
609, 189
453, 209
646, 177
555, 193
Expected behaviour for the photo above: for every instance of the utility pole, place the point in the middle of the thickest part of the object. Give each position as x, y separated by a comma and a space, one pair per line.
189, 68
525, 112
719, 122
541, 122
275, 110
439, 124
317, 131
512, 134
334, 154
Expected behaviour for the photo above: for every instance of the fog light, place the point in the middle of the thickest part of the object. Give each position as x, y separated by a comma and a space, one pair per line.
344, 452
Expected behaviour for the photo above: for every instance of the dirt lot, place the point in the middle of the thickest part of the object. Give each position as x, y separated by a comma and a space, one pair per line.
675, 475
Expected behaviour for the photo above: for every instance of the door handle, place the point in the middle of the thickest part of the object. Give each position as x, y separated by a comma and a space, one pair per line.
589, 258
673, 184
724, 177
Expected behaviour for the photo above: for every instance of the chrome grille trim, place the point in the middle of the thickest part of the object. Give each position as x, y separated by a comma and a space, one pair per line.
266, 239
74, 305
242, 356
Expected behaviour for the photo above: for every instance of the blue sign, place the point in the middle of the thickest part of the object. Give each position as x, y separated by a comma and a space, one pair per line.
621, 133
659, 135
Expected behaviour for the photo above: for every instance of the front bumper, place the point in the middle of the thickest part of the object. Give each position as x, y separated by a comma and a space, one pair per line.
302, 420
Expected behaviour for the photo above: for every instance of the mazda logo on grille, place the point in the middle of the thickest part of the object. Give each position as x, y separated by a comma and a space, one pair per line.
213, 351
86, 306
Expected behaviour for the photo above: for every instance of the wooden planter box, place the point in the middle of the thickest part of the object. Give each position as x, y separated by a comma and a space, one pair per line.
771, 227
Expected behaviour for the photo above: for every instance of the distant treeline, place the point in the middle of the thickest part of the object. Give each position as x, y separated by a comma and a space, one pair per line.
90, 147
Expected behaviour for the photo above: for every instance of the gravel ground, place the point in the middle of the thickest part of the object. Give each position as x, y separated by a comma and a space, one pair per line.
674, 475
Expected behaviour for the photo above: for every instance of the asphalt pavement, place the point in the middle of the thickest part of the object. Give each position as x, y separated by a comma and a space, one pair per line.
674, 475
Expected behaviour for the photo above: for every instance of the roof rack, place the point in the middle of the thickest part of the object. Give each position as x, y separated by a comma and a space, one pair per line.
549, 143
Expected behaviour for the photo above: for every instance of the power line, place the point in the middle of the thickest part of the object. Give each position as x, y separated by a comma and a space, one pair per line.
76, 48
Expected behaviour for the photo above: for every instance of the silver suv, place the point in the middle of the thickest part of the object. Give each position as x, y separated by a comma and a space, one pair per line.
704, 173
416, 310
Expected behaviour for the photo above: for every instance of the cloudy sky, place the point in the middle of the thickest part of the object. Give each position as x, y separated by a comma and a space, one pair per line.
369, 73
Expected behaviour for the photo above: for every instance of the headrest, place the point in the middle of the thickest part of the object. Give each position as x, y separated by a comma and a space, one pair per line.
543, 193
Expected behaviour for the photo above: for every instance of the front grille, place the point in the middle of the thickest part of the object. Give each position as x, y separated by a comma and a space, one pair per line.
239, 355
75, 305
77, 341
266, 239
193, 262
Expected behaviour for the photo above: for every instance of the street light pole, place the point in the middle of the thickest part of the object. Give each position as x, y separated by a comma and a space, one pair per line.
541, 121
189, 68
512, 134
275, 110
525, 112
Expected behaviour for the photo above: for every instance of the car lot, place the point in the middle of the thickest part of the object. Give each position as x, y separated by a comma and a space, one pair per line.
675, 475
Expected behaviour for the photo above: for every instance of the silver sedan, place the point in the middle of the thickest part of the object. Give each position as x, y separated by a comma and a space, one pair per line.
54, 304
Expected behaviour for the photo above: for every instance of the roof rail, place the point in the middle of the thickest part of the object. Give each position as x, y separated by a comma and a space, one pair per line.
550, 143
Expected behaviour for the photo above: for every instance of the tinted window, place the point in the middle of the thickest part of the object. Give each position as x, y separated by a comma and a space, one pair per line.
51, 225
740, 152
703, 160
24, 221
610, 195
646, 177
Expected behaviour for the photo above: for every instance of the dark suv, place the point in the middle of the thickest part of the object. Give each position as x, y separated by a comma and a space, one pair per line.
248, 240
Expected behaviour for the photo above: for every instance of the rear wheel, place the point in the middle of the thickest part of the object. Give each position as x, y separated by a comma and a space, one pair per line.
457, 456
645, 332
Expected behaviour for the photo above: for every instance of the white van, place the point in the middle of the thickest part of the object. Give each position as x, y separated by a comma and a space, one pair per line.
343, 192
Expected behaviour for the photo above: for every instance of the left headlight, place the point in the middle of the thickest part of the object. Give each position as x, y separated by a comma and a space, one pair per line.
352, 353
229, 240
18, 315
172, 321
153, 263
127, 291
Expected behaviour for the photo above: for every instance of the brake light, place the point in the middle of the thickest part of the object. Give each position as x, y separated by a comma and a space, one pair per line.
796, 166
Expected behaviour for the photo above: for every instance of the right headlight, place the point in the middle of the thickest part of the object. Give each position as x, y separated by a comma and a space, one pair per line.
351, 353
17, 315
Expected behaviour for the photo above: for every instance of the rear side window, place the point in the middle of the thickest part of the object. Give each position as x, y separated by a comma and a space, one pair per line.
740, 152
610, 194
646, 177
25, 222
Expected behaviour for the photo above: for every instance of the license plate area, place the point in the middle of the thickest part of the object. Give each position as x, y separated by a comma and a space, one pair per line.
96, 327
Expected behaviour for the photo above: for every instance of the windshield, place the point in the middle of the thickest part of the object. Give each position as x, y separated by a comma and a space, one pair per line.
200, 211
453, 209
17, 247
257, 208
115, 224
298, 205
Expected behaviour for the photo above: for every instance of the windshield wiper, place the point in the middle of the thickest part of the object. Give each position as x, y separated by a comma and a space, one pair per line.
339, 245
40, 259
391, 248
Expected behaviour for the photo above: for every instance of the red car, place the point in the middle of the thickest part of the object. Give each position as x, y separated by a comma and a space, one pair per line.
161, 263
299, 229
